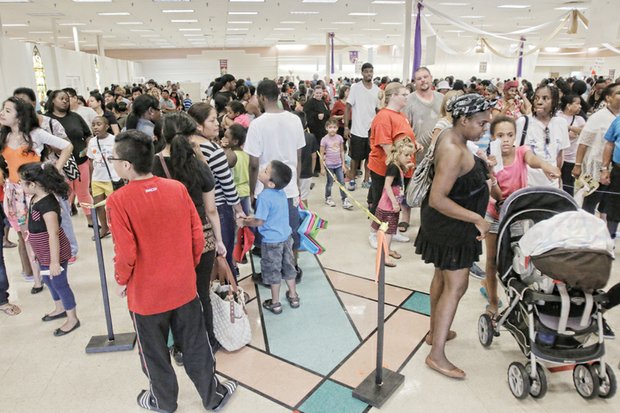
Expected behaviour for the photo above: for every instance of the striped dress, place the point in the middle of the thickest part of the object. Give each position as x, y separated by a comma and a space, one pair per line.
38, 237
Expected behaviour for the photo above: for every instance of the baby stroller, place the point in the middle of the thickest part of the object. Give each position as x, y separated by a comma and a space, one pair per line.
554, 310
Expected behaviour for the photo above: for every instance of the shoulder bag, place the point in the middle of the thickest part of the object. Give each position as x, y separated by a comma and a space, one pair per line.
207, 229
422, 177
115, 184
231, 325
70, 168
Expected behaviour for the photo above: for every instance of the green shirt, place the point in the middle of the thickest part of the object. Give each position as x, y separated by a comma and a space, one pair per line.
241, 173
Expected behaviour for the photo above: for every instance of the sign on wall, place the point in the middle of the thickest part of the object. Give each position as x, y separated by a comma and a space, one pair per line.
223, 66
483, 67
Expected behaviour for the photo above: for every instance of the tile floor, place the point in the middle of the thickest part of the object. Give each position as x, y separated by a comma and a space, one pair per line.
306, 359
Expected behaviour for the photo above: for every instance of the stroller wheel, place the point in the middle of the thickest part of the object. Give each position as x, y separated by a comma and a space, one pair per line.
608, 385
485, 330
586, 381
538, 384
518, 380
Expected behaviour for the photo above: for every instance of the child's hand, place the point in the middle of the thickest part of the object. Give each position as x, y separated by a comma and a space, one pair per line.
410, 165
241, 222
552, 172
395, 206
220, 249
322, 172
55, 269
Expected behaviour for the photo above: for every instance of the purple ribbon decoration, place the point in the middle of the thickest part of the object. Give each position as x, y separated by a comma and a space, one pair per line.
417, 43
520, 63
331, 43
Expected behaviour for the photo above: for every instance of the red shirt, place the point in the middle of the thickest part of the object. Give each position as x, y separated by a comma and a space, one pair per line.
158, 242
339, 109
387, 127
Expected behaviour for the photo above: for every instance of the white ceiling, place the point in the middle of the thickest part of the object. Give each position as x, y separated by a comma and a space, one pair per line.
275, 21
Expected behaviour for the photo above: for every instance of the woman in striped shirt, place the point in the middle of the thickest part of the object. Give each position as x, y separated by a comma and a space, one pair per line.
226, 197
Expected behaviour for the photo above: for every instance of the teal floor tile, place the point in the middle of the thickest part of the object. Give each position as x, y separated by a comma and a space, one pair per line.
419, 302
318, 335
332, 397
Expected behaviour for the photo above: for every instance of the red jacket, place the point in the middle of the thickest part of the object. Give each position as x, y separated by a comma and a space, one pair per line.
158, 242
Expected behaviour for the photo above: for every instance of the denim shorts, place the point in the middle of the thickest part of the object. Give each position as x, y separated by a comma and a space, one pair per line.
277, 262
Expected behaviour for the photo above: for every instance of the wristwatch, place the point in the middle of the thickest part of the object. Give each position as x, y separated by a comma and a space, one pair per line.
605, 168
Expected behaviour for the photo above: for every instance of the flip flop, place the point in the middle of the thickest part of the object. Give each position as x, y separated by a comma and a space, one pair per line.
395, 255
390, 264
403, 226
10, 309
483, 291
454, 373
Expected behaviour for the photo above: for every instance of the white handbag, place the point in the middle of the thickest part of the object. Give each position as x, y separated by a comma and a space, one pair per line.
231, 325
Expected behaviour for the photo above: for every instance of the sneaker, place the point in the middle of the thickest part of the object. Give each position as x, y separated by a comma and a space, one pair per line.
330, 202
72, 260
147, 401
366, 184
608, 333
359, 172
477, 272
231, 387
351, 185
346, 204
372, 240
400, 238
300, 274
29, 278
177, 355
74, 210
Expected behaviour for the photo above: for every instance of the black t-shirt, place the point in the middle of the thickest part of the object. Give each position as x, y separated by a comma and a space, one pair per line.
313, 108
111, 120
204, 183
311, 147
77, 131
393, 170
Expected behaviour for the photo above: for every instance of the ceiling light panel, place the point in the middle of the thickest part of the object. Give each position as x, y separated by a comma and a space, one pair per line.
514, 6
242, 13
362, 14
14, 24
177, 11
129, 23
114, 13
184, 21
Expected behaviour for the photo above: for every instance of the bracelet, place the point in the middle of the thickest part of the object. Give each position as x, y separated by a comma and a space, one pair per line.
577, 164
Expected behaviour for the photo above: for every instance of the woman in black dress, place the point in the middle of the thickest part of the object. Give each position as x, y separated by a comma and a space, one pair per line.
452, 221
317, 114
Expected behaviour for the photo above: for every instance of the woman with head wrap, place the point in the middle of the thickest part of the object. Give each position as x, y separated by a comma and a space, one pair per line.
452, 220
514, 103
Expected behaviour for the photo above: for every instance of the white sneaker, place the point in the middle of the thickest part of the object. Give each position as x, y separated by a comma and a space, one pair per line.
372, 239
351, 185
346, 204
400, 238
330, 202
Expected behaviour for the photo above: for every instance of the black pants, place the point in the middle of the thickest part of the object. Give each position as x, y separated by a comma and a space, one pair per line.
188, 330
613, 297
568, 182
203, 280
375, 191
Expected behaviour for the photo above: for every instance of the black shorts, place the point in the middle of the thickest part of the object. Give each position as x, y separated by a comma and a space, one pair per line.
611, 200
359, 148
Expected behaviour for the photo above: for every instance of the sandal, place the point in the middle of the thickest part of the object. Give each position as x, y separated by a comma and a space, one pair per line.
390, 264
9, 244
395, 255
293, 301
275, 308
107, 234
403, 226
10, 309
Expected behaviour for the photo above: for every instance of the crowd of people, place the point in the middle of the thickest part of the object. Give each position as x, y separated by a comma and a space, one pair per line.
247, 155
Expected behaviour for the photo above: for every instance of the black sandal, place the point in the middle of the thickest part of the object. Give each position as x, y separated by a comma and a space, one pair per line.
403, 226
275, 308
293, 301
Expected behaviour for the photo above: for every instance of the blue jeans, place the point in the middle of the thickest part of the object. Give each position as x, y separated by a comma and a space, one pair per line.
67, 224
59, 287
330, 181
227, 222
246, 204
4, 279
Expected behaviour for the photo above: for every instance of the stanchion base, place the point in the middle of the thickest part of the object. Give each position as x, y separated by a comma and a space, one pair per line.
369, 392
121, 342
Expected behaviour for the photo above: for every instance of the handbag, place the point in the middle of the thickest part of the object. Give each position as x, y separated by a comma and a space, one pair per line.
115, 184
422, 177
231, 325
70, 168
207, 229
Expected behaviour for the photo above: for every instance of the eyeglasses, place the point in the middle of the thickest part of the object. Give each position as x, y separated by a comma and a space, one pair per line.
112, 158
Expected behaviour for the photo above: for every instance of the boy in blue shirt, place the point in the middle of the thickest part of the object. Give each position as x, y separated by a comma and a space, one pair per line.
271, 217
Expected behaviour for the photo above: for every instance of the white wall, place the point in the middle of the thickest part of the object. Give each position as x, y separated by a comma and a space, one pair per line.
63, 67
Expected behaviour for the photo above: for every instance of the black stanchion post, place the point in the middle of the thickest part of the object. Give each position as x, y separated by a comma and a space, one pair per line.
381, 383
109, 343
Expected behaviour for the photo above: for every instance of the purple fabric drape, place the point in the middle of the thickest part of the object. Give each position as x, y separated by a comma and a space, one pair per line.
417, 42
331, 43
520, 64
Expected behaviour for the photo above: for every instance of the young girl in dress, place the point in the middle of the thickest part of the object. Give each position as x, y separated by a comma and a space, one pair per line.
49, 242
388, 209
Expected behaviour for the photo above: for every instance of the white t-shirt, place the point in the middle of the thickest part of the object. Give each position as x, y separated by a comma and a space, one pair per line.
88, 114
593, 136
577, 121
100, 173
536, 140
363, 107
276, 136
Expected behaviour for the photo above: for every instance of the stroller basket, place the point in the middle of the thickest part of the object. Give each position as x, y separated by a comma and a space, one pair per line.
587, 270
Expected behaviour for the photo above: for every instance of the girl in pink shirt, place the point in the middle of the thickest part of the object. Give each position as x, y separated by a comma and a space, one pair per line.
511, 177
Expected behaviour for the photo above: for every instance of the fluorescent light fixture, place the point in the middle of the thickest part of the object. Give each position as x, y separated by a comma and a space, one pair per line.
247, 1
454, 4
568, 8
242, 13
177, 11
193, 35
304, 12
92, 1
514, 6
343, 22
283, 29
129, 23
291, 46
321, 1
362, 14
184, 21
141, 30
240, 22
291, 22
72, 24
114, 13
552, 49
14, 24
237, 29
592, 49
388, 2
15, 1
190, 30
454, 31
